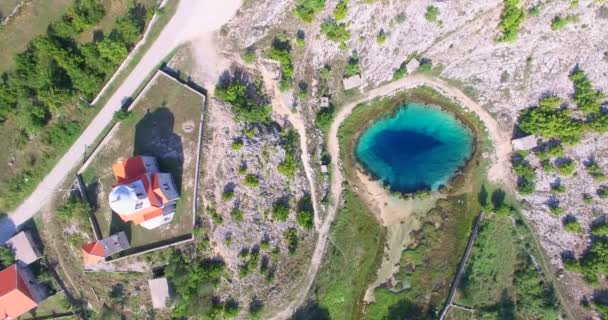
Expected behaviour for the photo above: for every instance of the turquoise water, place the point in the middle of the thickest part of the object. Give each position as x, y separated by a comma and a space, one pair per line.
419, 147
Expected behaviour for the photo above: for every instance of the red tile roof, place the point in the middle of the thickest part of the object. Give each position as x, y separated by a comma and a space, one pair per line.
15, 296
93, 252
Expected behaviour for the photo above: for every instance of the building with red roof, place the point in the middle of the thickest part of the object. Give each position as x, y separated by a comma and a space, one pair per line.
143, 195
15, 295
96, 251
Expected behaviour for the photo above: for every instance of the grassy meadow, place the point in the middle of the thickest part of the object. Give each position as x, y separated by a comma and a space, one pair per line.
353, 255
163, 124
505, 276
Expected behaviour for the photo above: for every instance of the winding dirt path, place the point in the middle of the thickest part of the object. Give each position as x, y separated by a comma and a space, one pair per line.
499, 172
298, 123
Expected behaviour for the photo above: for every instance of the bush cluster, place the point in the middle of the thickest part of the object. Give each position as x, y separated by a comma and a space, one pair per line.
307, 9
248, 102
281, 51
335, 31
290, 164
512, 18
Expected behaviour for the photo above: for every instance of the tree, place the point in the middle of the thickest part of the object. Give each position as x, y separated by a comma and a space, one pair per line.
511, 20
432, 14
335, 31
280, 211
305, 219
550, 121
6, 257
586, 98
306, 9
341, 10
111, 50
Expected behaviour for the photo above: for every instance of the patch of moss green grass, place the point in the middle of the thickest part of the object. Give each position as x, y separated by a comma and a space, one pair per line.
427, 267
501, 279
356, 240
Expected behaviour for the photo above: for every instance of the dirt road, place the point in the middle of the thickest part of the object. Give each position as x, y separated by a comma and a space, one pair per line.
499, 171
192, 19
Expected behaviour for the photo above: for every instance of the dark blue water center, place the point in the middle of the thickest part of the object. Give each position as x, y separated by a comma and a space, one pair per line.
420, 147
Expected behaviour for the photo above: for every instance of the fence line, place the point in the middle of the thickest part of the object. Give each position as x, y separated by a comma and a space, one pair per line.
460, 271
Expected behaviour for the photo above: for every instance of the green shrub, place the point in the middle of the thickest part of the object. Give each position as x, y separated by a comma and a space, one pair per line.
426, 66
573, 226
600, 229
341, 10
324, 118
352, 66
214, 215
227, 195
553, 150
188, 276
526, 183
401, 72
252, 180
535, 10
432, 14
291, 236
247, 100
559, 22
400, 18
280, 211
74, 211
237, 215
6, 257
585, 96
550, 121
231, 308
587, 198
237, 144
566, 167
307, 9
249, 56
558, 188
511, 20
334, 31
594, 170
602, 192
381, 38
281, 51
290, 165
305, 219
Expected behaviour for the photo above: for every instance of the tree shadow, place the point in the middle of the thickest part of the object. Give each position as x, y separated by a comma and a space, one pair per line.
498, 198
312, 311
482, 197
405, 309
155, 136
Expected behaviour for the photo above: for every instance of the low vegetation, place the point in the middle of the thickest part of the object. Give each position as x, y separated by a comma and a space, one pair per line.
511, 19
341, 10
281, 51
560, 22
307, 9
432, 14
501, 279
290, 164
248, 101
335, 31
194, 280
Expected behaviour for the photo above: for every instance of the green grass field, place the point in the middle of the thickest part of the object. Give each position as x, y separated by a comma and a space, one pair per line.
163, 124
501, 279
427, 267
356, 240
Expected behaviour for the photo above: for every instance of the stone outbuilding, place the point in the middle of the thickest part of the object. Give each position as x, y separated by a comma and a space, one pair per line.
352, 82
525, 143
24, 248
413, 65
160, 292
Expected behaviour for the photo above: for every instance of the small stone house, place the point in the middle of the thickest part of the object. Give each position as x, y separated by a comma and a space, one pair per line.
24, 248
525, 143
160, 293
352, 82
95, 251
413, 65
